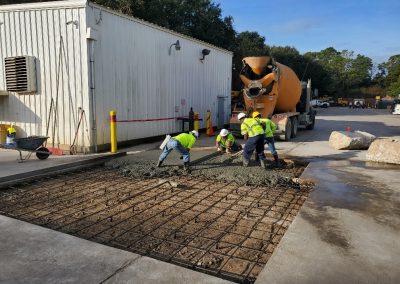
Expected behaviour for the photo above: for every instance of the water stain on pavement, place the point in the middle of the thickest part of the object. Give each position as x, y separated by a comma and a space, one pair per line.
328, 228
349, 188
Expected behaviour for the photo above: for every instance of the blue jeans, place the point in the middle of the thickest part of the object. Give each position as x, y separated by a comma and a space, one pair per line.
257, 143
171, 145
271, 145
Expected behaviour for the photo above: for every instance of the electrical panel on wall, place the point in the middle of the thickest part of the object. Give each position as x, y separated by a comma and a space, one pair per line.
20, 74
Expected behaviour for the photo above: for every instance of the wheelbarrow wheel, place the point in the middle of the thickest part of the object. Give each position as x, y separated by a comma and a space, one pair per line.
43, 153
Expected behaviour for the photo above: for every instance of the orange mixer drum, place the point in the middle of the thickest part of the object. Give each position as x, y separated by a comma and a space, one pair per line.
289, 90
270, 87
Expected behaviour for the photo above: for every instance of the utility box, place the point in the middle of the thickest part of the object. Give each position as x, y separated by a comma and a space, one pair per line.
20, 74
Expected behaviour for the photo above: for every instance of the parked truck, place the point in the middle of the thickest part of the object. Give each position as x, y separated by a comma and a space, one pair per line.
274, 90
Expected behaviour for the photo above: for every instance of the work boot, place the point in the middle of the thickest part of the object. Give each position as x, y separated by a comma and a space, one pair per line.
277, 163
263, 164
256, 157
245, 163
159, 164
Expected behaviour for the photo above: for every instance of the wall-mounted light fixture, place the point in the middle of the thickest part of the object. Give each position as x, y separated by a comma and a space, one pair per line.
75, 23
204, 53
177, 47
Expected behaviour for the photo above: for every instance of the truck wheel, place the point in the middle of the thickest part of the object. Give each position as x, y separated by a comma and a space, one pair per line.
311, 125
295, 125
288, 131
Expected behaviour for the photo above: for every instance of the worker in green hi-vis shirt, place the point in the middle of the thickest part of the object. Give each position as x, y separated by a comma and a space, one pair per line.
226, 142
181, 143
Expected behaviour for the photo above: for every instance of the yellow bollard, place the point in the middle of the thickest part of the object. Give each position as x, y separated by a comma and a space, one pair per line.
196, 121
113, 129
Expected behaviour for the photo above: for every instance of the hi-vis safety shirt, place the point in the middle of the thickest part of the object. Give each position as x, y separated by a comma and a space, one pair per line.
229, 139
270, 127
251, 127
186, 140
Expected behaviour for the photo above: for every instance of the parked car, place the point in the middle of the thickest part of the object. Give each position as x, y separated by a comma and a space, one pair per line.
319, 103
358, 103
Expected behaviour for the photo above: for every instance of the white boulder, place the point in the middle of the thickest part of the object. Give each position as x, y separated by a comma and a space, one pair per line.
384, 151
357, 140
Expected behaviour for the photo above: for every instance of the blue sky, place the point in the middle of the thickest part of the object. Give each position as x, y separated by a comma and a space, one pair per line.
370, 28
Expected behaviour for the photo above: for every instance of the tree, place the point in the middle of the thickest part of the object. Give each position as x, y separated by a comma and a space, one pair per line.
359, 73
389, 75
394, 89
201, 19
246, 44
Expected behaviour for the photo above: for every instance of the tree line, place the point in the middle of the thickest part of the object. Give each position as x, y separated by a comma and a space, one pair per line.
336, 73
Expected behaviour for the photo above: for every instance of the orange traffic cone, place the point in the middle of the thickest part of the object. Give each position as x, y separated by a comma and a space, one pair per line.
210, 130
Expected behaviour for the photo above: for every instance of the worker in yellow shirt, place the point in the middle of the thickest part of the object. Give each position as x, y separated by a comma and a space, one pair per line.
11, 134
181, 143
253, 132
269, 128
226, 142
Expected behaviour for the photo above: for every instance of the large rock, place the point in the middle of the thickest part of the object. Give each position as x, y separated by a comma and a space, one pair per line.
384, 151
357, 140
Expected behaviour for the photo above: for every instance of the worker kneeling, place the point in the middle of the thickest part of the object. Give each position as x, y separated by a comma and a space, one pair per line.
226, 142
181, 143
269, 128
253, 132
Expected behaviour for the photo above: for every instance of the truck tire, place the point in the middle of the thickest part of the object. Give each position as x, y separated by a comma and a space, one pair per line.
311, 126
295, 125
288, 131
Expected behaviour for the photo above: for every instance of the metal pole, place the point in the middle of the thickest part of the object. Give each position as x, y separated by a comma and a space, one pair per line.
196, 121
191, 119
308, 96
113, 131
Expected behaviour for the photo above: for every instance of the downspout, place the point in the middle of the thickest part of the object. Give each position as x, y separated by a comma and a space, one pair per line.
92, 101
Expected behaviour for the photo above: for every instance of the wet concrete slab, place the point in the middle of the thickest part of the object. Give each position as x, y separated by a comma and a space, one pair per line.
346, 232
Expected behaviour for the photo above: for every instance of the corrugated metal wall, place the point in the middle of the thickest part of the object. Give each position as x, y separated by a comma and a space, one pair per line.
134, 73
36, 30
136, 76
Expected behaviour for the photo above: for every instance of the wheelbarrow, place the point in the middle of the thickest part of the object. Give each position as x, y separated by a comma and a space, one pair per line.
31, 144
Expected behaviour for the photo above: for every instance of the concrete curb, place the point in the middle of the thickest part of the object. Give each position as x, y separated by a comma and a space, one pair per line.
52, 171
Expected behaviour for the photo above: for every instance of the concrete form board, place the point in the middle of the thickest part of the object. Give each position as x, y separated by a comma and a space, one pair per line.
36, 30
133, 72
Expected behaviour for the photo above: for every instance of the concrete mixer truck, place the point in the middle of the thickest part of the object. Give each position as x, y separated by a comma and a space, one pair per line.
274, 90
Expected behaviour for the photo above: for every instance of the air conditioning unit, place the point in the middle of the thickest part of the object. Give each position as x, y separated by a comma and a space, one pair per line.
20, 74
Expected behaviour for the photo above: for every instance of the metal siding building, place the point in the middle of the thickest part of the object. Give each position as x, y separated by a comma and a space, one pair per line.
107, 61
36, 30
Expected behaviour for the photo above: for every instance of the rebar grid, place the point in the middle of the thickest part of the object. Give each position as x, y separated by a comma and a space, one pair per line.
215, 227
